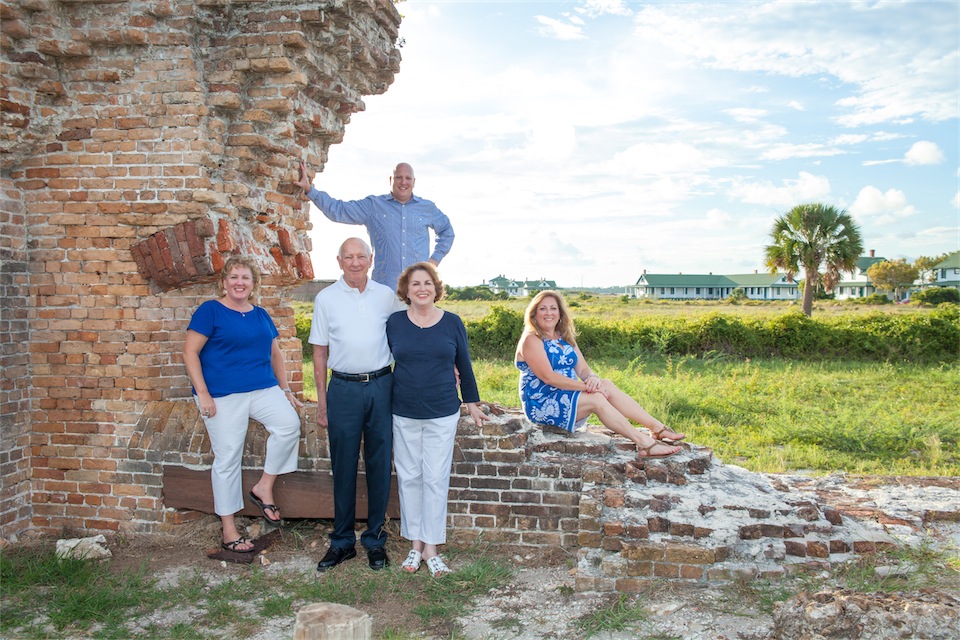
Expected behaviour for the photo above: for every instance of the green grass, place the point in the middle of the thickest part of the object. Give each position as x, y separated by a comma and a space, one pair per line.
619, 615
44, 597
74, 594
778, 416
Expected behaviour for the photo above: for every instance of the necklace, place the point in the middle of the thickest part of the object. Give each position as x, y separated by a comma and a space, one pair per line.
428, 322
243, 314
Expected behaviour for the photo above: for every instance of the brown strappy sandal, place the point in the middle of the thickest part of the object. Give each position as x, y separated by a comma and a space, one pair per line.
668, 440
644, 452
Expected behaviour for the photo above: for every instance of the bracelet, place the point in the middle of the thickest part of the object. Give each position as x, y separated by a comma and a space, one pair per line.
287, 390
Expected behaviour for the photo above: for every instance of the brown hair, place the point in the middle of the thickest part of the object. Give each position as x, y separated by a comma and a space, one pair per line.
565, 327
403, 283
240, 261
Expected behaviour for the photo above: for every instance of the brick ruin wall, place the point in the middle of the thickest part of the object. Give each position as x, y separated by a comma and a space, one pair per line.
543, 493
140, 143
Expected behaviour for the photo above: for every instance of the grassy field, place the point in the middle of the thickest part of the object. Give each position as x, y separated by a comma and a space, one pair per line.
771, 415
615, 308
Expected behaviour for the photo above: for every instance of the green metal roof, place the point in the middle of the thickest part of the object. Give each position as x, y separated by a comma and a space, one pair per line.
952, 261
711, 280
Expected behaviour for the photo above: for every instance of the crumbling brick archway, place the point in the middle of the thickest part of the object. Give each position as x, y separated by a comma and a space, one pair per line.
141, 141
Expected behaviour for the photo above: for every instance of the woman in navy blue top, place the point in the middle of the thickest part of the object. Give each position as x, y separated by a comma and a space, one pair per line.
237, 371
429, 346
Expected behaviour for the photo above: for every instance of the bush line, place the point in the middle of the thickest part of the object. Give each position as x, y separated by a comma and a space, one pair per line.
914, 337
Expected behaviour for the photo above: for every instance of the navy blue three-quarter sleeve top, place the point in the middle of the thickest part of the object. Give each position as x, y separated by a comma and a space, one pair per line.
424, 380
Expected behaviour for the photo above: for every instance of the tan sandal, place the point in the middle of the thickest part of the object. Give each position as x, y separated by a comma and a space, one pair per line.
668, 439
644, 452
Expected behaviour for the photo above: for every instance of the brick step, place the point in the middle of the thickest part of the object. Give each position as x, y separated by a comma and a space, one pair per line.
693, 460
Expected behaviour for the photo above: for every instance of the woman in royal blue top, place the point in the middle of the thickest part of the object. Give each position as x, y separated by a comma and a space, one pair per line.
558, 388
237, 371
429, 347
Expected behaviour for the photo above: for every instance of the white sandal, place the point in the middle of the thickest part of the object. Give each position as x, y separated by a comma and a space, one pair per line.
412, 563
437, 567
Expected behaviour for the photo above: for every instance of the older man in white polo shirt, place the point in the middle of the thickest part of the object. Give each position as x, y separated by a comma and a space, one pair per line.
348, 334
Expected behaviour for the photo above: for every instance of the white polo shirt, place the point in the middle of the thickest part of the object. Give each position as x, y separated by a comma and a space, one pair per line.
353, 325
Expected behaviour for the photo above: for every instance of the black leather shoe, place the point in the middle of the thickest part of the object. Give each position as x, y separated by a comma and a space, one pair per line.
377, 557
334, 556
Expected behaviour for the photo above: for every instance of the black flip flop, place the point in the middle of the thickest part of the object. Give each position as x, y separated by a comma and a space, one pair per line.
264, 507
232, 546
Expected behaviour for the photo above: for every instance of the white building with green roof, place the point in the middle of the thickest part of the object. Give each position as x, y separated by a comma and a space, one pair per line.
757, 286
519, 288
947, 271
856, 283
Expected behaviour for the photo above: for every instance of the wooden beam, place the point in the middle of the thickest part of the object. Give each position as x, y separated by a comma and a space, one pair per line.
301, 494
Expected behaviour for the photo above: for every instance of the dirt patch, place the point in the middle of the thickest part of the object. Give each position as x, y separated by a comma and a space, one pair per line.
538, 602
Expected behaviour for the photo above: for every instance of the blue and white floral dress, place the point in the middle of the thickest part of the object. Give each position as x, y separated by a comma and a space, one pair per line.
544, 403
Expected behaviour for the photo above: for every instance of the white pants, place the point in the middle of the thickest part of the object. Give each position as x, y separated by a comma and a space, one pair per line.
422, 454
228, 432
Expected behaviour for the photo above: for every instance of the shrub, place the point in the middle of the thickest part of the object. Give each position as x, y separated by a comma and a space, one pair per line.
933, 336
495, 336
737, 296
302, 323
935, 296
874, 298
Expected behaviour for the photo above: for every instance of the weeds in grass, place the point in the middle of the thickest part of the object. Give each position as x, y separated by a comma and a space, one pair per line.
620, 615
44, 597
757, 594
69, 593
508, 623
902, 568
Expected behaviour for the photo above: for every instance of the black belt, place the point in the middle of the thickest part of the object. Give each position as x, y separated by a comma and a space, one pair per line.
361, 377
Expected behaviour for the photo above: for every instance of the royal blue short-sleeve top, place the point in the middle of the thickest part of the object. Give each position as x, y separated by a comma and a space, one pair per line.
236, 356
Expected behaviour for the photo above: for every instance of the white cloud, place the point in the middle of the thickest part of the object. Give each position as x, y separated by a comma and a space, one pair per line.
595, 8
745, 114
850, 138
956, 201
885, 207
793, 104
551, 28
717, 219
660, 158
924, 152
806, 188
899, 64
786, 151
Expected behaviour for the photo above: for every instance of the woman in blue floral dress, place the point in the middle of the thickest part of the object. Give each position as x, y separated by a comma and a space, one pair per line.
558, 388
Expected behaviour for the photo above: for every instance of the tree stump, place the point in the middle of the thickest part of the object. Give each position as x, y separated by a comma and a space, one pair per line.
329, 621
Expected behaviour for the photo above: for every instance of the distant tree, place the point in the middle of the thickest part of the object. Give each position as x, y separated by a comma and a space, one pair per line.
812, 237
737, 296
924, 266
892, 275
475, 293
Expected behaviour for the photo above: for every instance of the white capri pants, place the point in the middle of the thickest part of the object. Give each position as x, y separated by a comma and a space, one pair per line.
228, 432
422, 455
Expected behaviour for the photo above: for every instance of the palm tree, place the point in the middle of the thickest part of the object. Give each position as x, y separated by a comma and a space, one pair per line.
814, 236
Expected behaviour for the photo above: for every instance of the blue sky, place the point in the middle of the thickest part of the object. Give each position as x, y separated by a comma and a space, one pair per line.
588, 141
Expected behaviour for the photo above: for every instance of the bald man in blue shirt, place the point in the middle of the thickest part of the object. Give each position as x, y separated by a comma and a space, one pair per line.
398, 223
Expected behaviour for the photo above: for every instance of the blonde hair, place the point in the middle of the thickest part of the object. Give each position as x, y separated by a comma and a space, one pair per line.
565, 327
403, 282
240, 261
